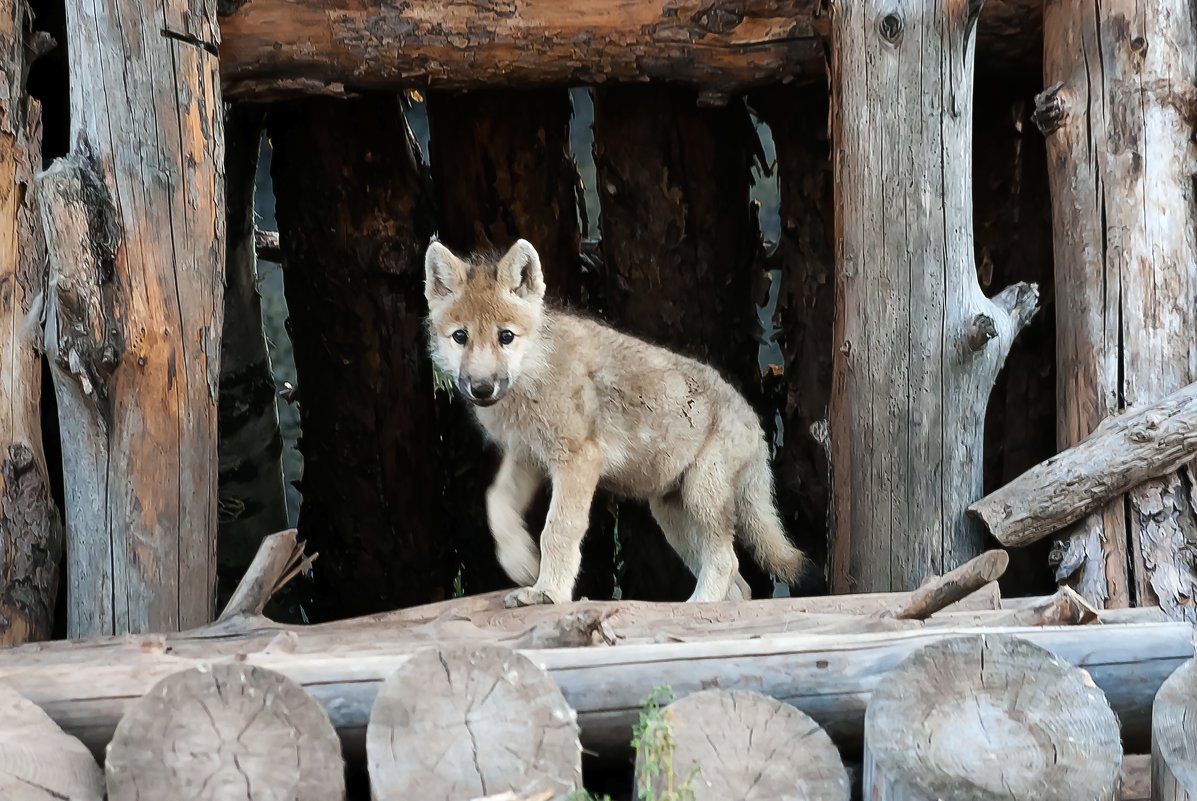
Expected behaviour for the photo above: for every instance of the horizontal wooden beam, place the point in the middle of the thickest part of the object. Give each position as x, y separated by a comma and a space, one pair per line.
278, 48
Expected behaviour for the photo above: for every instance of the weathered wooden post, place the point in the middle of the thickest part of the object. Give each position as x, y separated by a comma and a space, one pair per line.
988, 717
917, 345
1117, 115
134, 223
30, 529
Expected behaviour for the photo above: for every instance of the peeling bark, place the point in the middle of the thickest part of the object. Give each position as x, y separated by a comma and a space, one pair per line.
30, 525
1118, 117
910, 382
134, 223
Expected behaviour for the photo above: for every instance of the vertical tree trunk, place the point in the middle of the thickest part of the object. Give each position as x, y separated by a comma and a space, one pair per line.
252, 499
502, 170
1119, 126
917, 346
134, 223
30, 526
805, 258
354, 219
681, 251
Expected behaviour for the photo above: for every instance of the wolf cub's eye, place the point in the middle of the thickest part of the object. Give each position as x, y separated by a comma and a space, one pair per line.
505, 337
460, 336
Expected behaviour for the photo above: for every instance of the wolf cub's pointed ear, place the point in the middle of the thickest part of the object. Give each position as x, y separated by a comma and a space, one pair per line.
519, 271
444, 273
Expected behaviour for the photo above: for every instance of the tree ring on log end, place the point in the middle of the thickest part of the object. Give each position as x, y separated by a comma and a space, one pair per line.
465, 721
38, 760
1174, 735
990, 718
226, 732
749, 747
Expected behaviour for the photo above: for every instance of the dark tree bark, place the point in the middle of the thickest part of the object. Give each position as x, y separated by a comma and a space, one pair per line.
252, 502
30, 525
681, 251
805, 257
354, 218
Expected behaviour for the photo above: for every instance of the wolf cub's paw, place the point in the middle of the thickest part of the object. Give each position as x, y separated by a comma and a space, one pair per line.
527, 596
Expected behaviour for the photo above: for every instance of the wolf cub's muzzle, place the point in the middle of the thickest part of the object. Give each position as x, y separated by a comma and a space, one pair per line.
482, 391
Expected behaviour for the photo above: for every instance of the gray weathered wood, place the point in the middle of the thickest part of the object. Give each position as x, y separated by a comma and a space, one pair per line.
917, 344
989, 718
273, 48
1118, 126
86, 686
228, 732
943, 591
1122, 453
277, 554
1174, 737
30, 528
38, 761
459, 721
743, 745
134, 223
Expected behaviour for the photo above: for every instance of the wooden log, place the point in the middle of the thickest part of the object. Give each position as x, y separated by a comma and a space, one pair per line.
86, 686
666, 169
267, 246
134, 222
723, 744
350, 191
30, 526
277, 556
989, 717
1122, 453
465, 720
38, 761
942, 591
227, 732
1118, 131
915, 340
1174, 737
1065, 608
253, 500
271, 48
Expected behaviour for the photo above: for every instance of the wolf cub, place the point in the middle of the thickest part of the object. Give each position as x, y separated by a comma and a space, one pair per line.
582, 405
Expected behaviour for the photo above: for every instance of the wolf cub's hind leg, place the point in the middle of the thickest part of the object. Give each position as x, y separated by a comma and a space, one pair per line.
708, 498
507, 502
685, 535
574, 483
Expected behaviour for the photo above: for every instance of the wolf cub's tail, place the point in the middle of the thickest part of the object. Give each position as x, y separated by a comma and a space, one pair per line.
760, 527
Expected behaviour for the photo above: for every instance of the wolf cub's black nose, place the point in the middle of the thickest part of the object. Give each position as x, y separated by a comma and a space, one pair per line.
482, 389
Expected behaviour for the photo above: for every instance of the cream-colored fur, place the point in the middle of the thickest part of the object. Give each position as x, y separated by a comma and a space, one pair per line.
582, 405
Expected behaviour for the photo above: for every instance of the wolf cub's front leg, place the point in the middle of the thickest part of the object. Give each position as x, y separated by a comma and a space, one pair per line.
574, 479
507, 502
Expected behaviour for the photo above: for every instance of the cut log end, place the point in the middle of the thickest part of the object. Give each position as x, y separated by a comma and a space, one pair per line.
727, 744
487, 718
40, 762
996, 716
223, 732
1174, 736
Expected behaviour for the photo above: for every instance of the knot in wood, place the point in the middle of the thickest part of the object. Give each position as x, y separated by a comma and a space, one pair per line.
719, 20
1049, 109
890, 27
980, 332
20, 460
